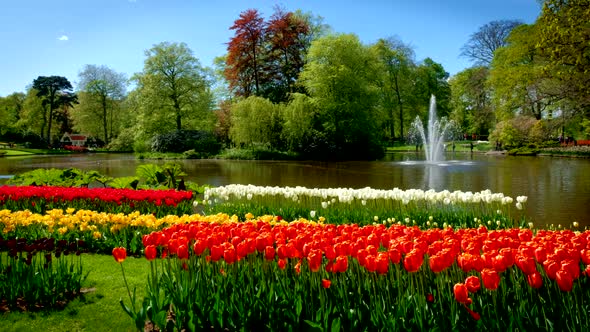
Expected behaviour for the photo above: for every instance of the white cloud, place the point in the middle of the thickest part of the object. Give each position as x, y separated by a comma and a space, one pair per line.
63, 38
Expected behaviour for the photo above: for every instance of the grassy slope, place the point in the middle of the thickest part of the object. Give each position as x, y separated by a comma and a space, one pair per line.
98, 310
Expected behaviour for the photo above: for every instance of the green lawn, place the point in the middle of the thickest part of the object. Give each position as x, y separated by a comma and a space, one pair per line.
98, 309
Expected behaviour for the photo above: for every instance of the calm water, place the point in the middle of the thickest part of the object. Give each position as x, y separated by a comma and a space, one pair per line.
558, 188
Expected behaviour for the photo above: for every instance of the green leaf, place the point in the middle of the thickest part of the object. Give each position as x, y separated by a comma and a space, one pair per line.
335, 325
314, 326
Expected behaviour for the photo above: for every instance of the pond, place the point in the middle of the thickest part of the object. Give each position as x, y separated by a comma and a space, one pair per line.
558, 189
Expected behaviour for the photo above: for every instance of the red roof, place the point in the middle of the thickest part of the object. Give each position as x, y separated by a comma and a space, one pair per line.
77, 137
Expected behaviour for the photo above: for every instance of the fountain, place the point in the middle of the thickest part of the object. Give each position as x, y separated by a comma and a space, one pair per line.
434, 138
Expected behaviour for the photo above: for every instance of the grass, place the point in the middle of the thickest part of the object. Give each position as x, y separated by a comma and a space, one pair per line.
460, 146
96, 310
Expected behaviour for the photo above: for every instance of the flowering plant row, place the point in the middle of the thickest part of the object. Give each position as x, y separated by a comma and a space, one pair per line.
256, 275
38, 274
102, 231
345, 205
41, 199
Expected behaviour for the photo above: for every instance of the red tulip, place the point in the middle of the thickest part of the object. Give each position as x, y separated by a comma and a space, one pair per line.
541, 254
585, 255
473, 284
326, 283
182, 251
119, 254
490, 278
564, 280
229, 254
572, 267
151, 252
413, 261
216, 253
526, 264
282, 263
535, 280
314, 259
341, 264
461, 293
382, 263
298, 267
269, 253
551, 267
199, 247
429, 298
394, 255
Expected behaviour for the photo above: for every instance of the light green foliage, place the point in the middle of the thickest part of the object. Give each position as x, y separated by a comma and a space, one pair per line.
514, 132
564, 32
516, 76
340, 76
172, 91
10, 109
33, 117
256, 121
101, 92
298, 116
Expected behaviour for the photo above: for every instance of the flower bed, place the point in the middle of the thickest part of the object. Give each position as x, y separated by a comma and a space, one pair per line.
41, 199
342, 205
261, 276
100, 230
39, 274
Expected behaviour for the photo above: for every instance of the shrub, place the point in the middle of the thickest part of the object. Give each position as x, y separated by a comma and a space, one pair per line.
202, 142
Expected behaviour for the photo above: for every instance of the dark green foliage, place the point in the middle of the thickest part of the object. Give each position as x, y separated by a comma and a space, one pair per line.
200, 141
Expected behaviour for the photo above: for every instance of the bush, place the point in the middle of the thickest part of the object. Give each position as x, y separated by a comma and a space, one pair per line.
201, 142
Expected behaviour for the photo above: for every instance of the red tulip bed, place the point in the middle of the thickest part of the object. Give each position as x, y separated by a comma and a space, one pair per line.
258, 275
43, 198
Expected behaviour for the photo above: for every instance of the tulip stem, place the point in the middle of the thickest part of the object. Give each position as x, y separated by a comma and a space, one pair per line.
128, 291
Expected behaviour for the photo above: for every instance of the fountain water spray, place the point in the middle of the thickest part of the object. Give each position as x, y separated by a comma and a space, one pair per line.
434, 138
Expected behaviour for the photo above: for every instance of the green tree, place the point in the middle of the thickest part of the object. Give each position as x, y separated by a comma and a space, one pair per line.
340, 76
11, 108
396, 82
54, 91
471, 102
432, 79
564, 32
173, 91
32, 112
101, 92
256, 121
516, 76
298, 116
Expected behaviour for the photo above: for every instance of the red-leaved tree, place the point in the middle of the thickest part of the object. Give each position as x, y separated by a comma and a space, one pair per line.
244, 57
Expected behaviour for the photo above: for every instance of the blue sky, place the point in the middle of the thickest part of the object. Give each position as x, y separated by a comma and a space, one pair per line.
59, 37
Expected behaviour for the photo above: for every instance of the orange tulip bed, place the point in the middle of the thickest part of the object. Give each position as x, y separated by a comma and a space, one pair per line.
258, 275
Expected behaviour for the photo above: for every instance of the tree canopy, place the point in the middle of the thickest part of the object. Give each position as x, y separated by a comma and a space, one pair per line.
54, 92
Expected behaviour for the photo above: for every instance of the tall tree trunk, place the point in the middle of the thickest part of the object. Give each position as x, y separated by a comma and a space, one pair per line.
255, 68
104, 119
51, 106
401, 109
177, 111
